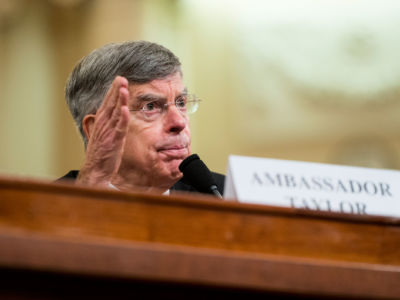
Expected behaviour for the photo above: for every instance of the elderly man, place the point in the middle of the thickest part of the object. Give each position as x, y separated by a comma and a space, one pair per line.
131, 107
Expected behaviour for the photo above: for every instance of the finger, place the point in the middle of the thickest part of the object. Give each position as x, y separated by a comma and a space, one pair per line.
122, 125
111, 98
122, 102
124, 98
110, 95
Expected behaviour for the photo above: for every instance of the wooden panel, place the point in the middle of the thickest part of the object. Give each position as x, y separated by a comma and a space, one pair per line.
197, 240
198, 221
165, 263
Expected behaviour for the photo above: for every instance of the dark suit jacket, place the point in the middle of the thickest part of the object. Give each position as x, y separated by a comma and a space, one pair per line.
181, 185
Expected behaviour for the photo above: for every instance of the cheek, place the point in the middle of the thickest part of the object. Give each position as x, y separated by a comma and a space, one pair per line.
146, 135
187, 132
138, 139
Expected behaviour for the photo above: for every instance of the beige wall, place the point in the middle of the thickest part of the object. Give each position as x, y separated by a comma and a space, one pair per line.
272, 84
26, 106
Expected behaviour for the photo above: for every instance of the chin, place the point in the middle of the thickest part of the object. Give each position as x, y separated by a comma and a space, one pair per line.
173, 170
169, 179
173, 164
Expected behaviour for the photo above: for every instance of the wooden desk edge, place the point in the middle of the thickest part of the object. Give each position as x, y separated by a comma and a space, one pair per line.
208, 267
186, 199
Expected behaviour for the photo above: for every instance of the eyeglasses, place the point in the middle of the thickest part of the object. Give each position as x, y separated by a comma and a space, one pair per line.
151, 110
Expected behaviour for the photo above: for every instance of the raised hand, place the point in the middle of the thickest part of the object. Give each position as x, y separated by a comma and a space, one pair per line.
106, 132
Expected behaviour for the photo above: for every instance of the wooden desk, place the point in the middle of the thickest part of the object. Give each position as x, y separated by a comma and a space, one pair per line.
63, 241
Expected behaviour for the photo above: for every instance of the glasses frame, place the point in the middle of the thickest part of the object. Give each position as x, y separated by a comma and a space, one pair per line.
193, 100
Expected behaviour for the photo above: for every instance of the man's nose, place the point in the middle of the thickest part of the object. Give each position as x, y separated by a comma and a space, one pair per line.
174, 120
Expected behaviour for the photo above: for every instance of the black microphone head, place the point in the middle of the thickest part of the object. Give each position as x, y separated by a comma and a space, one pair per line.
187, 161
197, 173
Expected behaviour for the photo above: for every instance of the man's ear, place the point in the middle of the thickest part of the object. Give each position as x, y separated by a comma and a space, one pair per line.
87, 125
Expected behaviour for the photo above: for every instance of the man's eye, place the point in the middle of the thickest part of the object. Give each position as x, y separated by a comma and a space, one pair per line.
180, 103
151, 106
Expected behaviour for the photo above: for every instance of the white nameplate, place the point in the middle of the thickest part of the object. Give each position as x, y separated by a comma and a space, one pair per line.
313, 186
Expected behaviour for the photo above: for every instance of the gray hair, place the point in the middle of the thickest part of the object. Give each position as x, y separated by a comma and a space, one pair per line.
137, 61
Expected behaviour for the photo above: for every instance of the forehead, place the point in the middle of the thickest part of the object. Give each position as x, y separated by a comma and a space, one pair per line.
165, 87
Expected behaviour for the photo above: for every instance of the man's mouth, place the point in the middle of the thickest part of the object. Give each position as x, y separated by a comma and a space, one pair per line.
175, 151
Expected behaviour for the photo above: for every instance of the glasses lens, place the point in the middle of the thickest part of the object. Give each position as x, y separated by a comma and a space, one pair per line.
192, 106
152, 110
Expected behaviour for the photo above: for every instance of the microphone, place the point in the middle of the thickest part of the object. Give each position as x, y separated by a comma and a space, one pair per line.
197, 173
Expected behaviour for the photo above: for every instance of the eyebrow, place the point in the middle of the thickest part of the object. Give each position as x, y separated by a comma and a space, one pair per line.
149, 97
153, 97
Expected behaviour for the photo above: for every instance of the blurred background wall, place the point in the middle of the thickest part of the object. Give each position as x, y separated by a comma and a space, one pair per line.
291, 79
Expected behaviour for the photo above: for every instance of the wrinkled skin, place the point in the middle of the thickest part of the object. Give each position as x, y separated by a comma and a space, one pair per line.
128, 150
